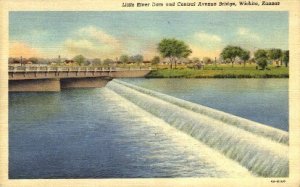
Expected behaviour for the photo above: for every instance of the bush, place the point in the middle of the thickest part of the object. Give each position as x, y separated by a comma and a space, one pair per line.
262, 62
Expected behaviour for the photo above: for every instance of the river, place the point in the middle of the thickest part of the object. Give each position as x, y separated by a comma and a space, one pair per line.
101, 133
261, 100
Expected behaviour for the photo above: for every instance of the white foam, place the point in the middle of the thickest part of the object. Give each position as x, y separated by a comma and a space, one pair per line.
258, 153
182, 141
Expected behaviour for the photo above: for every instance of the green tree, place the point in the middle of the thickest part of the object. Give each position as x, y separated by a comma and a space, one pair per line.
286, 57
108, 62
260, 53
245, 55
124, 59
80, 59
155, 60
261, 58
173, 50
96, 62
136, 59
231, 53
275, 55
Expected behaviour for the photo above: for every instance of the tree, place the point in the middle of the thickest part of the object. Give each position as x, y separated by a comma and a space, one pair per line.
96, 62
231, 52
155, 60
286, 57
80, 59
34, 60
43, 61
261, 58
262, 62
207, 60
245, 55
108, 62
124, 59
275, 54
195, 60
136, 59
260, 53
173, 50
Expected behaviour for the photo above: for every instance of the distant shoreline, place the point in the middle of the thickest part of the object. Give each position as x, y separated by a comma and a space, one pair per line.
280, 72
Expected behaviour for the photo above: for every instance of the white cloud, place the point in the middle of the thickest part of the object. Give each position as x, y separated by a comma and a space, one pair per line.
99, 35
203, 36
246, 38
206, 40
246, 33
93, 42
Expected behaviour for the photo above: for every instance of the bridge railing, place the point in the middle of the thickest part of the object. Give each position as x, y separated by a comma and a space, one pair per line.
69, 69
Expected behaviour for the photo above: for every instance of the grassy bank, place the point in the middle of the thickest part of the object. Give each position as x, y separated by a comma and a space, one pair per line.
221, 72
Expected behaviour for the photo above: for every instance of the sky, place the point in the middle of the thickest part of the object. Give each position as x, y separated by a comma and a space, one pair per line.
109, 34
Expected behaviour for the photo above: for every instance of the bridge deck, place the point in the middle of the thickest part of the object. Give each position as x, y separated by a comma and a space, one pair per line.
45, 72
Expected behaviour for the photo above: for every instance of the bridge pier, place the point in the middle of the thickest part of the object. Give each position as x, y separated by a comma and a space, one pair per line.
55, 85
88, 82
34, 85
51, 79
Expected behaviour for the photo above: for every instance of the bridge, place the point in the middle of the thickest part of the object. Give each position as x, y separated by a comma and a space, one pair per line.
47, 78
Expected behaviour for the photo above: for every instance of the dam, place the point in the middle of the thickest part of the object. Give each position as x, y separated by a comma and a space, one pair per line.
261, 149
126, 131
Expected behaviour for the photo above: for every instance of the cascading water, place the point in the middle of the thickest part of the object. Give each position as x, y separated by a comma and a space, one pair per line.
262, 150
251, 126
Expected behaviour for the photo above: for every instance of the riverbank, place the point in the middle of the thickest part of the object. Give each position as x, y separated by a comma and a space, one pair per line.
221, 72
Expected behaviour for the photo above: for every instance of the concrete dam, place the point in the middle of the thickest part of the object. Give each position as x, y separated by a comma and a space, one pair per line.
261, 149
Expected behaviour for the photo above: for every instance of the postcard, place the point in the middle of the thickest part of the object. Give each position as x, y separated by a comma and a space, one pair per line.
150, 93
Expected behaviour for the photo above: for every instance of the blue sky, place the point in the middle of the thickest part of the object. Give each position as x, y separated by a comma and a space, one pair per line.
110, 34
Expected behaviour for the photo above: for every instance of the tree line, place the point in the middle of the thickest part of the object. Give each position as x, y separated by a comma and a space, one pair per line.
261, 56
175, 51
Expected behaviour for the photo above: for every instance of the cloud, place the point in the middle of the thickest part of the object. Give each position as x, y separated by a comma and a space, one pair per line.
205, 44
242, 31
93, 42
17, 49
99, 35
247, 34
206, 37
206, 40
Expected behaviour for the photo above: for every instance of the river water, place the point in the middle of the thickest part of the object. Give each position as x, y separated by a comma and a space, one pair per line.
98, 133
261, 100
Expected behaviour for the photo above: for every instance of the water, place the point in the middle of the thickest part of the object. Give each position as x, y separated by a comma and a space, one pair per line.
261, 100
254, 149
95, 133
100, 133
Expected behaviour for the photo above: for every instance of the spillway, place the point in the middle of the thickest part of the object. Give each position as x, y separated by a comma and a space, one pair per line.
261, 149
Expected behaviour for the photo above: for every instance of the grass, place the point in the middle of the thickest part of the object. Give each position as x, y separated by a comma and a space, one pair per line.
221, 71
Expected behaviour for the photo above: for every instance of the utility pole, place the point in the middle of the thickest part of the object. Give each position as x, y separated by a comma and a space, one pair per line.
215, 61
21, 61
59, 59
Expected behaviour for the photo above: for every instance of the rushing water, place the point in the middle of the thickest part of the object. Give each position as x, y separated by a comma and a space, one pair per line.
261, 100
100, 133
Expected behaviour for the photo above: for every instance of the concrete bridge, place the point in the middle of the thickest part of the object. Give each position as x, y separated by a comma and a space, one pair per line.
46, 78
